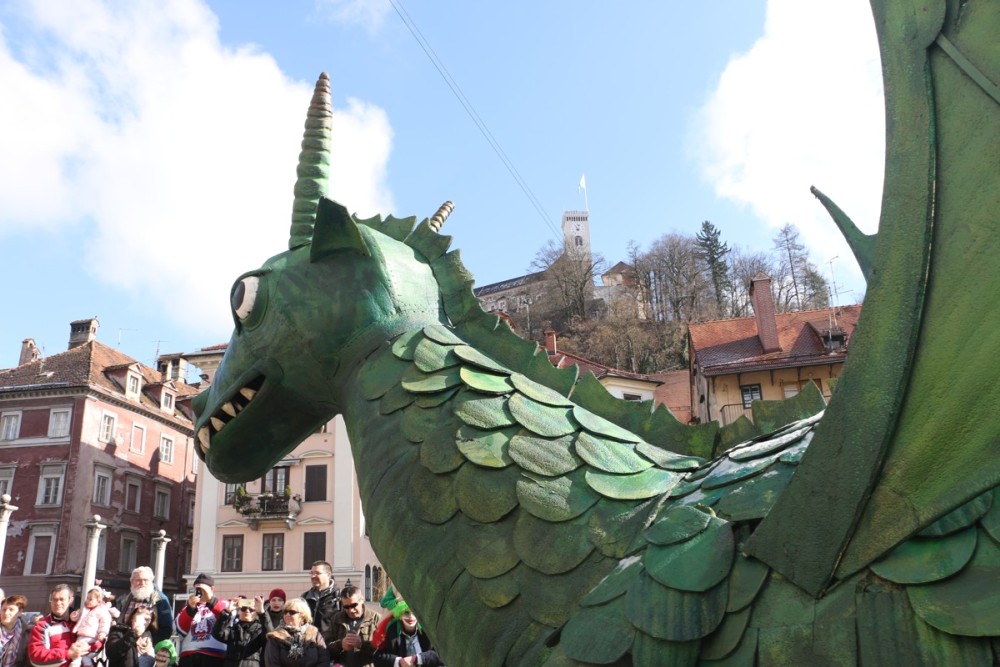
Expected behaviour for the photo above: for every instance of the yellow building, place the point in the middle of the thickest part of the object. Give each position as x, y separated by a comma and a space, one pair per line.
770, 356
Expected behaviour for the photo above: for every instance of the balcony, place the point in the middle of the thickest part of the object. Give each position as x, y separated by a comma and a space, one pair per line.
258, 507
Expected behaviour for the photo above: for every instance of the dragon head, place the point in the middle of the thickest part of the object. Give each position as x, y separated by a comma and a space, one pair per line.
307, 317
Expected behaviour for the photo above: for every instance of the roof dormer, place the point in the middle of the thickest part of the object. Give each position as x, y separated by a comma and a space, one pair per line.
129, 378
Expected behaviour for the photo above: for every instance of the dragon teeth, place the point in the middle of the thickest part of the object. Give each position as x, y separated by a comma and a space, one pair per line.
217, 424
248, 393
228, 408
204, 439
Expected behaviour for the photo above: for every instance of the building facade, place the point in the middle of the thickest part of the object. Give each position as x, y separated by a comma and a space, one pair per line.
769, 356
92, 431
266, 533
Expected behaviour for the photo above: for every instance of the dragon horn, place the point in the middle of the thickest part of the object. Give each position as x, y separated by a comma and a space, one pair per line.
313, 170
437, 220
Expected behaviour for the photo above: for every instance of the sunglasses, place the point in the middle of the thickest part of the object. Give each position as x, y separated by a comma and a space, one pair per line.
352, 606
290, 612
241, 608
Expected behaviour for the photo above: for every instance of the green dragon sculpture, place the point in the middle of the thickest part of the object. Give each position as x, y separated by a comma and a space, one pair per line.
532, 519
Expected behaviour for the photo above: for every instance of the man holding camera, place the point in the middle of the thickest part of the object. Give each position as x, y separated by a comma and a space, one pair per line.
194, 624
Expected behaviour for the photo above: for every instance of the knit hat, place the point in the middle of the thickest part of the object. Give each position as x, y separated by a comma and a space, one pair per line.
205, 579
276, 593
396, 606
168, 646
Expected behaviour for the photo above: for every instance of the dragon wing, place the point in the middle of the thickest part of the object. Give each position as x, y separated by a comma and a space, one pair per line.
541, 500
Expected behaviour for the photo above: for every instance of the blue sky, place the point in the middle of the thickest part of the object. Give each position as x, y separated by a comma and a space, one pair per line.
147, 149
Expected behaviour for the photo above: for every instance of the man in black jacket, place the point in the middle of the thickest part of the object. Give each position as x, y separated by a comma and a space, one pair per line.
323, 598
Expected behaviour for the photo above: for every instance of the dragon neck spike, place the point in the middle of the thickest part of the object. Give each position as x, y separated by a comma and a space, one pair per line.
437, 220
313, 171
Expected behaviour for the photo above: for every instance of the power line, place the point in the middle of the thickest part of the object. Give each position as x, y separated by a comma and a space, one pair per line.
473, 114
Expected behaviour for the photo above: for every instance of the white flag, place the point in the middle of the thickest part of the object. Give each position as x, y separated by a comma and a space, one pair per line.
583, 181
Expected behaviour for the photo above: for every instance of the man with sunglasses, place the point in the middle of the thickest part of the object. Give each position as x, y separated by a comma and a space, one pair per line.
353, 627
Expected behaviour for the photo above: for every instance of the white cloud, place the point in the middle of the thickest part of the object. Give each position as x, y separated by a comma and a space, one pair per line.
367, 13
176, 153
803, 107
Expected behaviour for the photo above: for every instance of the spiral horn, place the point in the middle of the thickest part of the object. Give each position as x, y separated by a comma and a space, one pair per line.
313, 171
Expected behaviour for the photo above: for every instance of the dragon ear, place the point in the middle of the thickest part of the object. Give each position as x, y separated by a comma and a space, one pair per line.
335, 231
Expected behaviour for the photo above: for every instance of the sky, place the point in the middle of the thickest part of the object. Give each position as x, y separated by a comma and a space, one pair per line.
148, 148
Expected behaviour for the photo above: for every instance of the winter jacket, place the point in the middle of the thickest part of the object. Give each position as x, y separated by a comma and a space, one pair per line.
244, 640
365, 628
94, 622
195, 628
49, 642
395, 646
120, 649
277, 653
163, 609
323, 605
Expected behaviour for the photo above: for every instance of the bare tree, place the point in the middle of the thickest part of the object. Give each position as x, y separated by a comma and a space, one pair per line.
569, 281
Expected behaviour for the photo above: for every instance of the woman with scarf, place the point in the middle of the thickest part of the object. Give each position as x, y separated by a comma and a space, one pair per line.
296, 642
243, 628
14, 630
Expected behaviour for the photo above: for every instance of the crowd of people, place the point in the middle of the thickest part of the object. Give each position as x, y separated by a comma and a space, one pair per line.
324, 627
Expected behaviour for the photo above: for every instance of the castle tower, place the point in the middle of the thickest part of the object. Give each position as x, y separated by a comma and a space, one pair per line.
576, 233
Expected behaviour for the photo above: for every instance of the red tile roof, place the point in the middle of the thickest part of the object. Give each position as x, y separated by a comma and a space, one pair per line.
85, 366
730, 346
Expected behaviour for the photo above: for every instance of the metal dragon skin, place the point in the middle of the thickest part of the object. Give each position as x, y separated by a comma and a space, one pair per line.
534, 520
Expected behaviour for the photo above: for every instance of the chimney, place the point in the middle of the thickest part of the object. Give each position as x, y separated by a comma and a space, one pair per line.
29, 352
763, 311
82, 332
550, 340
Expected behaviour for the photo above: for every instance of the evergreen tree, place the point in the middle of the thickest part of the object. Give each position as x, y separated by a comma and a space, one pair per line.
712, 251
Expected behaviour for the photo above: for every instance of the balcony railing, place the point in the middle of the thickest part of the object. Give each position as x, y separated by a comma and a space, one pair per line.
732, 412
257, 507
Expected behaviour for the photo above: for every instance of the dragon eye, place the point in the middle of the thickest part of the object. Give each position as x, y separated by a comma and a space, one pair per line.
244, 296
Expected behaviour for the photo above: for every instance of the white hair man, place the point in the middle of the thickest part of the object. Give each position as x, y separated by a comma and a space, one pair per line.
143, 593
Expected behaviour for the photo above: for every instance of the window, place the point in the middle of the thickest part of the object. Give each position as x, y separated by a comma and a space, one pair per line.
316, 482
41, 549
313, 548
368, 582
102, 487
6, 480
751, 392
109, 424
161, 504
138, 443
102, 548
230, 494
275, 480
50, 484
10, 425
133, 493
191, 509
631, 397
167, 401
232, 553
166, 449
129, 553
59, 422
133, 384
273, 552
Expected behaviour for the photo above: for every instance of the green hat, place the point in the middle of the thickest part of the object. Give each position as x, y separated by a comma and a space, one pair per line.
168, 646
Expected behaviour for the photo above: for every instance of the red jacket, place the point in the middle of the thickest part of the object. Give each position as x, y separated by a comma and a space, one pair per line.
48, 645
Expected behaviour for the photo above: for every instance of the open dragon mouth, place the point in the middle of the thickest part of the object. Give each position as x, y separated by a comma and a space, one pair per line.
228, 411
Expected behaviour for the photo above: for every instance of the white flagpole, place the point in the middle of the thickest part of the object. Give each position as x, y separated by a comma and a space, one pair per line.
583, 186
